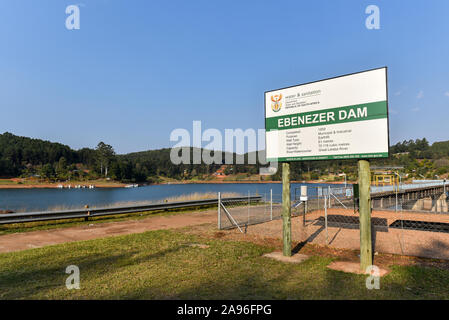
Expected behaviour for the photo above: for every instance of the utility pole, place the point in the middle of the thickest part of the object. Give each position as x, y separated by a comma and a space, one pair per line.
219, 211
366, 249
286, 211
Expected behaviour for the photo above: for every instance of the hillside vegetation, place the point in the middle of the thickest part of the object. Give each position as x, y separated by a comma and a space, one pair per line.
49, 161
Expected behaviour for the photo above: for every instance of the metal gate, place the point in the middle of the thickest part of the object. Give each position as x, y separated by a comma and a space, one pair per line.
257, 208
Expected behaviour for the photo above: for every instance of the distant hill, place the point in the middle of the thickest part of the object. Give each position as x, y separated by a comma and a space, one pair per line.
34, 151
26, 156
23, 156
16, 152
441, 148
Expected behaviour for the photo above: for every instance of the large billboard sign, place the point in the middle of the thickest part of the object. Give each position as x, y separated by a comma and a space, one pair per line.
340, 118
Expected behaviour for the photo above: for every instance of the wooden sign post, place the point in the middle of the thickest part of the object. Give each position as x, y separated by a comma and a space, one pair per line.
340, 118
286, 211
366, 253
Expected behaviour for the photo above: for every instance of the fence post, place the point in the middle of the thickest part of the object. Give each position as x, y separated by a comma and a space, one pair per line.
329, 196
271, 204
219, 211
396, 206
304, 215
88, 213
249, 204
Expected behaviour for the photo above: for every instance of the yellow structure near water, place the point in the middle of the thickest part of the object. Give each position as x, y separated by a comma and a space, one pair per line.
385, 179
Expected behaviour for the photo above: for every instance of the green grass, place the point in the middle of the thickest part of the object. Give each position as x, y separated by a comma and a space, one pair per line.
7, 181
67, 223
164, 265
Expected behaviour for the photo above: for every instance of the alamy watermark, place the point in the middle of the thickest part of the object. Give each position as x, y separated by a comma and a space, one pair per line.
373, 20
373, 280
73, 280
234, 142
72, 22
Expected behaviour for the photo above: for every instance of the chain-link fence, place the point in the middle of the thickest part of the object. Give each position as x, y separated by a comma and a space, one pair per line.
403, 222
401, 200
257, 208
407, 223
327, 208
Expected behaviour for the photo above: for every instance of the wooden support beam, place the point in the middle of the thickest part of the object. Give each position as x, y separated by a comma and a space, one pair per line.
366, 250
286, 211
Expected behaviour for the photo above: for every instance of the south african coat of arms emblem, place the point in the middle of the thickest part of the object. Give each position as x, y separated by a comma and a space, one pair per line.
276, 103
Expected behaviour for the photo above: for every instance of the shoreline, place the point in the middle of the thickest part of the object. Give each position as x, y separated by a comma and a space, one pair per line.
252, 182
122, 185
55, 186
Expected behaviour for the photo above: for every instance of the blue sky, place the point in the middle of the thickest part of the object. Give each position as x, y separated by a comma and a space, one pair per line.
136, 70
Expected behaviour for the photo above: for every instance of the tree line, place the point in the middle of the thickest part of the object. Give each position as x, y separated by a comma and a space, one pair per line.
50, 161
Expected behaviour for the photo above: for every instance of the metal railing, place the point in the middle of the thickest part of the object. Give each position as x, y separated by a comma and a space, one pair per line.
105, 211
417, 184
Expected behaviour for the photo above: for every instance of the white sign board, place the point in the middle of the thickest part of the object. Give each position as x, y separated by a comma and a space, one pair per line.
339, 118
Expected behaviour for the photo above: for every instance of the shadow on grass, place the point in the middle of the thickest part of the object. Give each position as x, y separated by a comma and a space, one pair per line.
312, 237
164, 265
39, 278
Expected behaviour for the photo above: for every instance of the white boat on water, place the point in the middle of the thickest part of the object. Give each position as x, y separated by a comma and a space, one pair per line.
135, 185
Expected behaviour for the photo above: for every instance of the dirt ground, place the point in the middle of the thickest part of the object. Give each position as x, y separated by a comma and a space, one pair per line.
383, 260
41, 238
345, 234
428, 244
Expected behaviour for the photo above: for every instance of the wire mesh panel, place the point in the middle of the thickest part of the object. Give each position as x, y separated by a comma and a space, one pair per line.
241, 213
414, 223
404, 222
238, 212
418, 225
322, 199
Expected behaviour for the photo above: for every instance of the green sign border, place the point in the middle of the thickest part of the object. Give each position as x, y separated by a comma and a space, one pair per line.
334, 157
375, 110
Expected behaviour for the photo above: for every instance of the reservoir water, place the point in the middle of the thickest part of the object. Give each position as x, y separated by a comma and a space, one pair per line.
26, 200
